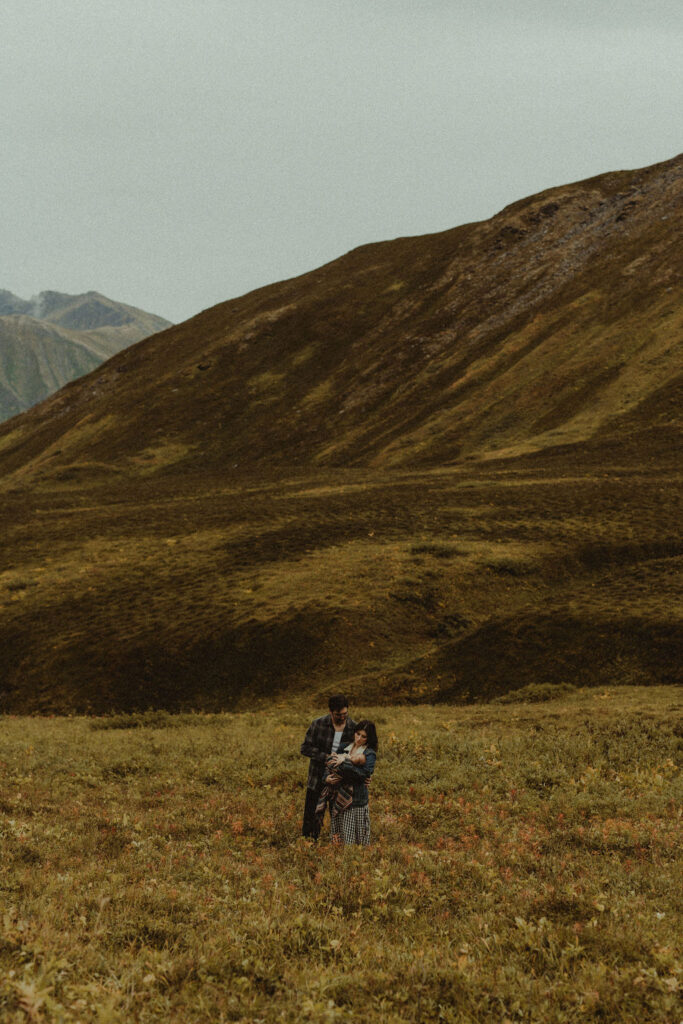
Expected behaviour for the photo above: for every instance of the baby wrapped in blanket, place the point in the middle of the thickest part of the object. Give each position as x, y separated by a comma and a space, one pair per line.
337, 793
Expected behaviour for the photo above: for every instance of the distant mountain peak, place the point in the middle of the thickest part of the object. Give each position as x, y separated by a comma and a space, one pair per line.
54, 337
11, 305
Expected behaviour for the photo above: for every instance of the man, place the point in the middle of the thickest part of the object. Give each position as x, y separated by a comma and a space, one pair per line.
325, 736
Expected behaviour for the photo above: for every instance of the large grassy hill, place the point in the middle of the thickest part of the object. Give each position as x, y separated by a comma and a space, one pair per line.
437, 468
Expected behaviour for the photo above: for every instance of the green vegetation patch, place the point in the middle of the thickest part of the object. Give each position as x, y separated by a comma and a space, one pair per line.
265, 381
534, 693
11, 438
160, 456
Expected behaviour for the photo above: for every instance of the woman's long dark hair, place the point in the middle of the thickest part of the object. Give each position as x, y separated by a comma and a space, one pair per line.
368, 728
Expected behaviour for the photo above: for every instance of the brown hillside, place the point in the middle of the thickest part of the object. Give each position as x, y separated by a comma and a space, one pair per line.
548, 324
438, 467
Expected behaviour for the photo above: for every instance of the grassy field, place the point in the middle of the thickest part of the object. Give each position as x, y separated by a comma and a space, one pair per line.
523, 867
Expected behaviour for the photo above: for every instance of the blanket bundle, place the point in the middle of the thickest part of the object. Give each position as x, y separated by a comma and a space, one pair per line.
336, 793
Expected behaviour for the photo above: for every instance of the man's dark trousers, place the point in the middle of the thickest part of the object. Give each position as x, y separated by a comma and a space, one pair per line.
311, 825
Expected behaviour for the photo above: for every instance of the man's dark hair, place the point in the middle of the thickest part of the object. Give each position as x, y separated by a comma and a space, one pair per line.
370, 731
337, 702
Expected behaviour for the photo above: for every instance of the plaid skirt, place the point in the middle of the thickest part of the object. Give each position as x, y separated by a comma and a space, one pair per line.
351, 826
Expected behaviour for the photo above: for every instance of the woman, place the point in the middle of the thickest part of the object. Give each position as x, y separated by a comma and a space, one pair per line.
352, 825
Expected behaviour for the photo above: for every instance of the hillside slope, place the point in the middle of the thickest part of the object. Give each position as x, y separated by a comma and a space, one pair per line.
552, 323
55, 338
439, 468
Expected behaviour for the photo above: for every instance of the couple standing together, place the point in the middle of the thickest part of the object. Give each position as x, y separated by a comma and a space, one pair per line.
342, 758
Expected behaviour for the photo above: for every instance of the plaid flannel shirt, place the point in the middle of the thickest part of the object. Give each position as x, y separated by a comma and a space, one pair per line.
318, 746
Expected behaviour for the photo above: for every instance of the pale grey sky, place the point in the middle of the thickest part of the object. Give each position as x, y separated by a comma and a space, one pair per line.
176, 153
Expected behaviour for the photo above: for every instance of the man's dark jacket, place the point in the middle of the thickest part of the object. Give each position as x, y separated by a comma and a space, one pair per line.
318, 746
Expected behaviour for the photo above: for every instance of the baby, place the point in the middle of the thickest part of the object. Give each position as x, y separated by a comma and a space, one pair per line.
356, 756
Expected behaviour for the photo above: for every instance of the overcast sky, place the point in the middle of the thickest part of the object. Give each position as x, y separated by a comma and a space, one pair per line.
176, 153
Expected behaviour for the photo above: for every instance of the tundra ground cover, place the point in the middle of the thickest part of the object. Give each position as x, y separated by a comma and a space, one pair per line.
524, 868
429, 586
